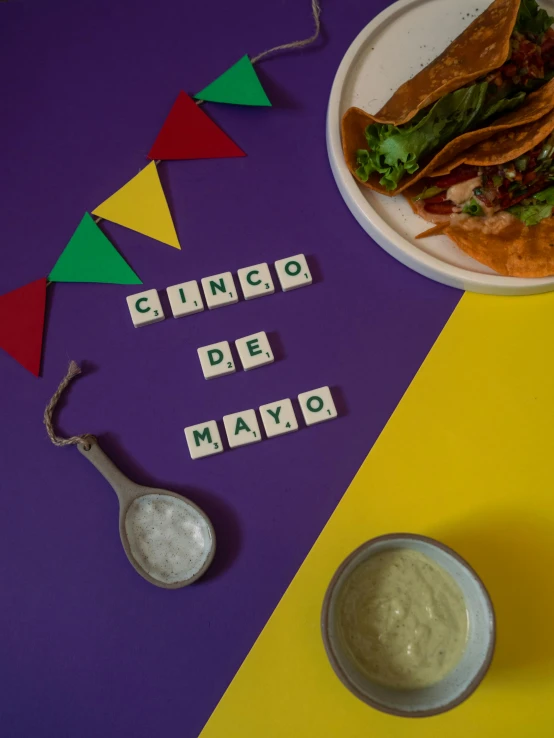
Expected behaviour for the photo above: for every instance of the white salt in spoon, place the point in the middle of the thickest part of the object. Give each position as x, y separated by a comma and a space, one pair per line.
167, 538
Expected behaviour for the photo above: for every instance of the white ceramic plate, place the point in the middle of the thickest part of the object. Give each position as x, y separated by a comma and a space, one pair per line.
393, 47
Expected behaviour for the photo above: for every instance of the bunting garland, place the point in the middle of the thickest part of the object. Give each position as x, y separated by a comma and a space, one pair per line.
239, 85
188, 133
90, 257
22, 324
140, 205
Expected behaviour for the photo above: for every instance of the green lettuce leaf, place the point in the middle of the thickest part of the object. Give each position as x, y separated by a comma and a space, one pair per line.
396, 150
429, 192
534, 84
495, 106
536, 208
532, 20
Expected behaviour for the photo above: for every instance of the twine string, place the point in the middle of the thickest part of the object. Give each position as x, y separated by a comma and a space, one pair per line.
316, 13
72, 372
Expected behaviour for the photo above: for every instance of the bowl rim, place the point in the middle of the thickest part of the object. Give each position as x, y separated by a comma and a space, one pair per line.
343, 676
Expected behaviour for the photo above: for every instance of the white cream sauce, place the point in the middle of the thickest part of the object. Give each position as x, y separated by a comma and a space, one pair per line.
463, 191
169, 539
403, 619
489, 225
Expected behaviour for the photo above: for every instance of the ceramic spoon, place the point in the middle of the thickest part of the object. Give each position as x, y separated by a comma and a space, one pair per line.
193, 540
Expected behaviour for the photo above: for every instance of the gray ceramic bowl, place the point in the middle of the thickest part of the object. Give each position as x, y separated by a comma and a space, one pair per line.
456, 686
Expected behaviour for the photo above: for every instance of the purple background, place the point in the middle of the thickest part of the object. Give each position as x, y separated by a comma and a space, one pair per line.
88, 648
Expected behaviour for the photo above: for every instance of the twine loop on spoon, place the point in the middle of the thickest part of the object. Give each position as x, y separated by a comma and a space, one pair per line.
86, 439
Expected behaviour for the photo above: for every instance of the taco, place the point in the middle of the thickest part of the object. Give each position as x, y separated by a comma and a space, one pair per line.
496, 201
456, 101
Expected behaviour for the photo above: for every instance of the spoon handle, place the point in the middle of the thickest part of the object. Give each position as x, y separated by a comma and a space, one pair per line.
122, 486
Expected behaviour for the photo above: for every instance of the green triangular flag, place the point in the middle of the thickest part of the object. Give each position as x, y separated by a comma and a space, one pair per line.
90, 257
239, 85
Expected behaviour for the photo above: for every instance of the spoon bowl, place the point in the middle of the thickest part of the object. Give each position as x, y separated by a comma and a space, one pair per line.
168, 539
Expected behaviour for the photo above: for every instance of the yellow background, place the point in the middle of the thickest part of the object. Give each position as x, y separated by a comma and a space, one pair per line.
468, 458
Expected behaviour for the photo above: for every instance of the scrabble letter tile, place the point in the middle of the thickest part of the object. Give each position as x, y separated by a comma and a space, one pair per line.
293, 272
256, 281
145, 308
216, 360
185, 299
317, 405
242, 428
203, 439
254, 350
219, 290
278, 418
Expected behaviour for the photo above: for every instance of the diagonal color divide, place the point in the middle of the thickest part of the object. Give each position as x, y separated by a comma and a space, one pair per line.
465, 458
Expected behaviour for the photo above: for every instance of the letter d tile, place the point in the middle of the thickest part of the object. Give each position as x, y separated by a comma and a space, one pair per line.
216, 360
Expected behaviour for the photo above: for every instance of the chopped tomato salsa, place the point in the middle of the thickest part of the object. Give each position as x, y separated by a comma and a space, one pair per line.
499, 186
529, 60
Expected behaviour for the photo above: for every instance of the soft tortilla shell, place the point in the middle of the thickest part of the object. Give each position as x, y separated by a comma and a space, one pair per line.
504, 146
534, 107
516, 251
482, 47
436, 230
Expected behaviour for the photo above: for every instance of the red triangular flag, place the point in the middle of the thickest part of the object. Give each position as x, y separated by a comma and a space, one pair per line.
188, 133
22, 324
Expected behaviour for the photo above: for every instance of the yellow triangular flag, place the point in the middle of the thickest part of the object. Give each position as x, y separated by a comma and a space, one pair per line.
141, 206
